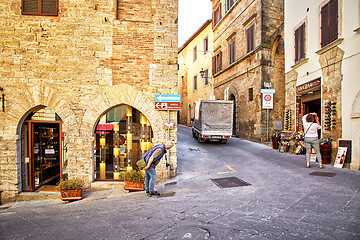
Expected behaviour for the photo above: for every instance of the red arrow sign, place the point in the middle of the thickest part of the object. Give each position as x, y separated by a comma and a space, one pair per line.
168, 106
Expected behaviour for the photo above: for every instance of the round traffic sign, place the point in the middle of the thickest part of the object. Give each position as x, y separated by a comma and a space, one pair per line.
267, 97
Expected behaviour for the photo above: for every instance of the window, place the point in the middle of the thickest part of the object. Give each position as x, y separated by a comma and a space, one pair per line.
195, 83
232, 51
329, 22
206, 44
216, 16
206, 75
217, 62
251, 94
300, 43
40, 7
195, 53
229, 4
250, 38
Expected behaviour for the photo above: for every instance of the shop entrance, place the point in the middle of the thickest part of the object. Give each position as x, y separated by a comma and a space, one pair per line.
41, 153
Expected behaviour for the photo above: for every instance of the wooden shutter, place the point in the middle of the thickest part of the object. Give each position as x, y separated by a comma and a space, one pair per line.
213, 19
297, 45
49, 7
324, 25
333, 20
213, 66
302, 41
220, 60
252, 39
219, 9
30, 6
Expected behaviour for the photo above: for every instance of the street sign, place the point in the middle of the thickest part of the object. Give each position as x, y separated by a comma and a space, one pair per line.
168, 106
267, 101
167, 98
267, 90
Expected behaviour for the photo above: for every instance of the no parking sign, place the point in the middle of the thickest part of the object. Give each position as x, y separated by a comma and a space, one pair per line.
267, 98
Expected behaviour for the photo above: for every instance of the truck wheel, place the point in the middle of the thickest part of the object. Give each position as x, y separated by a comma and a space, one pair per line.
200, 139
223, 141
193, 133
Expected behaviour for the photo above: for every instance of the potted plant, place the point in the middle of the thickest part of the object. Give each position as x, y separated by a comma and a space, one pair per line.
134, 179
71, 189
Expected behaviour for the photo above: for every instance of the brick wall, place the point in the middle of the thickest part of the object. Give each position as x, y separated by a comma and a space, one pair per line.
81, 63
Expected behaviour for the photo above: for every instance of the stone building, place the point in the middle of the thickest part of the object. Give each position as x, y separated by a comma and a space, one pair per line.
322, 69
78, 84
195, 78
249, 56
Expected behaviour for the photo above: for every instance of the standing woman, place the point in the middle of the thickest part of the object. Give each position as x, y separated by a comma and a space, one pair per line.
311, 137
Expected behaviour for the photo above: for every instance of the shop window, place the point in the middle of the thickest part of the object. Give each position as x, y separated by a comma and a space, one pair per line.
250, 33
40, 7
300, 43
329, 22
195, 83
122, 135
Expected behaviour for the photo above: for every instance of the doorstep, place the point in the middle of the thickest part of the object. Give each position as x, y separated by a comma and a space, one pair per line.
37, 196
101, 186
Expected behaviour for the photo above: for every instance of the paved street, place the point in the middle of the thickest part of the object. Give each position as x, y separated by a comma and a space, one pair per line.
283, 201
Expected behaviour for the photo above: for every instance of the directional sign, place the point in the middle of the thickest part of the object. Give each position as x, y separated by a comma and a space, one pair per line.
168, 106
267, 90
167, 98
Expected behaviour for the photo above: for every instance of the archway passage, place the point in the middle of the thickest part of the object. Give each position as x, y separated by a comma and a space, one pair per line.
232, 98
41, 150
122, 135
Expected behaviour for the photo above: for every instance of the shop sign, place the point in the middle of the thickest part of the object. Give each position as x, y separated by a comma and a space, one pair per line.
308, 86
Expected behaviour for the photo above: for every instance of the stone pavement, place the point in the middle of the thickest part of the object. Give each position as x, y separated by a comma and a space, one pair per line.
283, 202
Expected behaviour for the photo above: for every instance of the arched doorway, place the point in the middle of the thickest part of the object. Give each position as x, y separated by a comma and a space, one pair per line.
122, 135
43, 161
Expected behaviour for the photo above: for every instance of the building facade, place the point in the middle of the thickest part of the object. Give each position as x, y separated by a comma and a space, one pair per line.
249, 56
78, 84
194, 78
322, 67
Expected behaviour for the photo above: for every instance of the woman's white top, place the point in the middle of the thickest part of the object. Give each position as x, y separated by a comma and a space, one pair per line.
313, 128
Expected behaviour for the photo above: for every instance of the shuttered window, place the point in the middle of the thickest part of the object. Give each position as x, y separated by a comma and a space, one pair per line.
250, 38
232, 52
300, 43
40, 7
217, 63
329, 22
216, 17
195, 83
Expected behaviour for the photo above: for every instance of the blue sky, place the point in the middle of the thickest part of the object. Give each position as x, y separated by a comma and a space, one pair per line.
192, 15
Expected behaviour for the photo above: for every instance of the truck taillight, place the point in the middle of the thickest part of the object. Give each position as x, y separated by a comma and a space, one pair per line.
204, 136
227, 136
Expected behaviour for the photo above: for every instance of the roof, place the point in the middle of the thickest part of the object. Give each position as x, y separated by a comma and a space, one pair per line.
195, 35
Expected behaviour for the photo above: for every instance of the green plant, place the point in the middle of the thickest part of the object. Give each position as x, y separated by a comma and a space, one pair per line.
71, 184
134, 176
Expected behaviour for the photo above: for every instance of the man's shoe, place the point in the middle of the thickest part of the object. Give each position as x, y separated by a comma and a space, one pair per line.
155, 193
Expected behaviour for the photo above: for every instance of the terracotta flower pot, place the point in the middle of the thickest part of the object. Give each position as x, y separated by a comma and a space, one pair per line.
71, 195
134, 186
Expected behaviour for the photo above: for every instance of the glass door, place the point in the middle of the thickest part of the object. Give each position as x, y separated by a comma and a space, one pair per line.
46, 154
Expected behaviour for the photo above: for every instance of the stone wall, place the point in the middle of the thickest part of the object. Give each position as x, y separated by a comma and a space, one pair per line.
81, 63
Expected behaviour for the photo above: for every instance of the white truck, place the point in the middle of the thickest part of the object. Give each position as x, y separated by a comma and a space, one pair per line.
213, 120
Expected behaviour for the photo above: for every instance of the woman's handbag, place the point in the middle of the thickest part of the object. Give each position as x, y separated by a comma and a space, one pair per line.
141, 164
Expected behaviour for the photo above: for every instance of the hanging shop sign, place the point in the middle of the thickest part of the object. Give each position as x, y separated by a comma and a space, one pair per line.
167, 102
312, 85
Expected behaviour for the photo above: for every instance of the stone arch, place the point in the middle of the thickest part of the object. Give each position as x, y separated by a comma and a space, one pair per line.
234, 92
355, 117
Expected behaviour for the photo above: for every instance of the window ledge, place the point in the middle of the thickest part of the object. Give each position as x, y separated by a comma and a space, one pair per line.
301, 62
357, 30
330, 46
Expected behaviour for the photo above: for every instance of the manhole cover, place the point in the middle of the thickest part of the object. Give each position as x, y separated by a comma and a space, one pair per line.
229, 182
170, 194
323, 174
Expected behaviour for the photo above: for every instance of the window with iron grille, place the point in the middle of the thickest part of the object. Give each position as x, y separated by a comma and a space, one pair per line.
232, 51
195, 83
40, 7
300, 43
250, 38
329, 22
